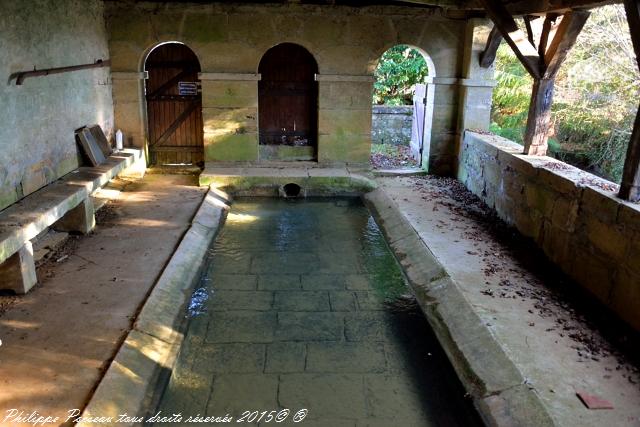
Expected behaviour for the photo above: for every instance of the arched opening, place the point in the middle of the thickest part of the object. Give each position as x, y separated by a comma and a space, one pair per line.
402, 109
174, 106
288, 104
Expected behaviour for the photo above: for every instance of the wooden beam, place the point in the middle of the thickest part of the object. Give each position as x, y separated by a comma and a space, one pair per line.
547, 25
563, 40
527, 23
632, 8
488, 55
630, 185
522, 47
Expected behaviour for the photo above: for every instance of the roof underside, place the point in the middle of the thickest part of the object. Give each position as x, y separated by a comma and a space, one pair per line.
516, 7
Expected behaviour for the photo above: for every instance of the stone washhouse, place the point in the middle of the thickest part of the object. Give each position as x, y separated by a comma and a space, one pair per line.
277, 92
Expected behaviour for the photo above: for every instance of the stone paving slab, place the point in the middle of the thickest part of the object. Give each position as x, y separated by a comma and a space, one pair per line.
293, 336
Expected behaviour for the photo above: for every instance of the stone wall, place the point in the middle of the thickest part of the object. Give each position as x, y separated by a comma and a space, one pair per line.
230, 40
391, 124
574, 216
38, 118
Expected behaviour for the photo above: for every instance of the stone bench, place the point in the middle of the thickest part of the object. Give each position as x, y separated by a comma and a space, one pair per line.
64, 205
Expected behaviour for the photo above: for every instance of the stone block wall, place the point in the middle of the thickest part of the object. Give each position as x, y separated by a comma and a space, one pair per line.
230, 39
574, 216
38, 118
391, 124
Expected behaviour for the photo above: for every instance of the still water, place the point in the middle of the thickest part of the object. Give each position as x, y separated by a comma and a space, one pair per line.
303, 314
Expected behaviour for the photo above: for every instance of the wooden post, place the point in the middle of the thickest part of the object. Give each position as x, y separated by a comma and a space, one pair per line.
630, 185
542, 62
539, 118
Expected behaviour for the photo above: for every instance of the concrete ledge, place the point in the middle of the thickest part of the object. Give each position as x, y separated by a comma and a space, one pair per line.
499, 390
148, 353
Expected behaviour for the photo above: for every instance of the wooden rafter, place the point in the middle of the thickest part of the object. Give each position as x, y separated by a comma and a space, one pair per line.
488, 55
514, 36
630, 185
563, 40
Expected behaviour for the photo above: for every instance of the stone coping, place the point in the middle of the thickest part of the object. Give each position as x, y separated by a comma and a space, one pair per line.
500, 391
147, 355
28, 217
574, 216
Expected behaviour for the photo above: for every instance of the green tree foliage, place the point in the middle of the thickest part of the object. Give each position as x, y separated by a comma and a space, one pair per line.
595, 100
399, 69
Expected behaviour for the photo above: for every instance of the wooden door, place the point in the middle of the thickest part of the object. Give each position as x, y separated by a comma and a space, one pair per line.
288, 97
174, 106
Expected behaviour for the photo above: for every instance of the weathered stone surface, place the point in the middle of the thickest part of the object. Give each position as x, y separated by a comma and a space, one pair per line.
230, 300
345, 357
141, 356
391, 125
341, 395
309, 326
365, 326
625, 298
285, 357
243, 282
301, 301
230, 358
80, 219
517, 406
18, 272
40, 145
279, 282
586, 230
242, 326
257, 391
342, 301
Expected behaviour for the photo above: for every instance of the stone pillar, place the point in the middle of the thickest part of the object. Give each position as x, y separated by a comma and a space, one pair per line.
80, 219
230, 116
344, 118
439, 154
18, 272
477, 83
129, 107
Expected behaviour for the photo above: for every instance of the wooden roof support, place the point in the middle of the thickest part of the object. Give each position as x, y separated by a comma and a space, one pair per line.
542, 62
488, 55
514, 36
630, 185
563, 40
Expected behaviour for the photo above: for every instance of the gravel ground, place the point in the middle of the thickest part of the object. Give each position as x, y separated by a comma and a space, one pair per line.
395, 157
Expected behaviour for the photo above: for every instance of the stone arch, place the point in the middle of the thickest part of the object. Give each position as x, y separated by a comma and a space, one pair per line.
173, 106
427, 126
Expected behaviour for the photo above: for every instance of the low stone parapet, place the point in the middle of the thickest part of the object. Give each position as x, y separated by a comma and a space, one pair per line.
574, 216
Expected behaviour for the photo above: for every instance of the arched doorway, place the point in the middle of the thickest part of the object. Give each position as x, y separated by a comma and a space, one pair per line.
174, 106
402, 109
288, 104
